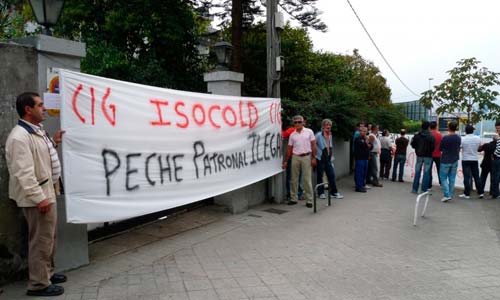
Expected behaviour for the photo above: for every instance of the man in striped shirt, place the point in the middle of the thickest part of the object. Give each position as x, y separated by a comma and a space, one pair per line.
495, 168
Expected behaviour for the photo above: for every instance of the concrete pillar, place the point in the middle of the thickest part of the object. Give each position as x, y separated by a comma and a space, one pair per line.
224, 83
72, 243
237, 201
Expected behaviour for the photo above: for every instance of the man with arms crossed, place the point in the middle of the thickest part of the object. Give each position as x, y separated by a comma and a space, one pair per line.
34, 170
302, 150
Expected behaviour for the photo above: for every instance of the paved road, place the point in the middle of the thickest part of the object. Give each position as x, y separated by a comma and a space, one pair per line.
363, 247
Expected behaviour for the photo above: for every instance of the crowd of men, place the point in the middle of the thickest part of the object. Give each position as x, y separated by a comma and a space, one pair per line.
431, 147
35, 171
375, 153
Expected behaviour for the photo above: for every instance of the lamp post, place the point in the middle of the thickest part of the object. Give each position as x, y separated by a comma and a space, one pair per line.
47, 12
430, 109
223, 51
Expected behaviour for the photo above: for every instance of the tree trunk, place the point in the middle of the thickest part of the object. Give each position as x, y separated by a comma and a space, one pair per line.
236, 34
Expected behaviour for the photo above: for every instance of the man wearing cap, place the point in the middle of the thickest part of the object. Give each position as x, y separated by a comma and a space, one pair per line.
302, 151
400, 156
470, 167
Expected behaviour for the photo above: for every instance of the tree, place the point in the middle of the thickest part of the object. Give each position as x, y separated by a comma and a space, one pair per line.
467, 90
13, 16
318, 85
151, 42
241, 14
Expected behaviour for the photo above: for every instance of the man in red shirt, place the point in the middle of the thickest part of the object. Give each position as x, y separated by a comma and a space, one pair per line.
436, 154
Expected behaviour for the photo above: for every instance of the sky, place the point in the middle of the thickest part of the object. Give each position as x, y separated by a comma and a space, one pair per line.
420, 39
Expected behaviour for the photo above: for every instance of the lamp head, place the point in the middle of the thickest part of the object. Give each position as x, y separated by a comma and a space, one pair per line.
47, 12
223, 51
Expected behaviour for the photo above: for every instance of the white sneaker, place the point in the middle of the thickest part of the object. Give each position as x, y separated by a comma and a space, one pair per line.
322, 196
338, 196
481, 196
464, 196
367, 187
445, 199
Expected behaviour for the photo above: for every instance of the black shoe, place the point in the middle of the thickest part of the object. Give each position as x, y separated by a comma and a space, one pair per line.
393, 179
51, 290
58, 278
292, 202
361, 190
401, 180
309, 204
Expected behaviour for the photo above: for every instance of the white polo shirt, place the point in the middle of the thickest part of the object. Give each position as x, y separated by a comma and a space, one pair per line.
470, 143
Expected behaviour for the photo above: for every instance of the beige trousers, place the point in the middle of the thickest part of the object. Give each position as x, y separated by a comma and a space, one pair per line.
301, 163
41, 245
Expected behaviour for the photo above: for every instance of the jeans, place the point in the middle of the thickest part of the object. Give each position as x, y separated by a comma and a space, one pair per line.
437, 162
426, 162
495, 174
448, 172
325, 165
400, 160
471, 170
360, 174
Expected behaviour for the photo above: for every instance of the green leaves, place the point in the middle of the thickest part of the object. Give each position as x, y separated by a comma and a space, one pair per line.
468, 91
145, 41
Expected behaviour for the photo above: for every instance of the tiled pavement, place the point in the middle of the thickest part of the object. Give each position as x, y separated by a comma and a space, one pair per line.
363, 247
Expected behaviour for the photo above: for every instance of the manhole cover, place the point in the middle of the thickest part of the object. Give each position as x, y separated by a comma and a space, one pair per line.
275, 211
255, 216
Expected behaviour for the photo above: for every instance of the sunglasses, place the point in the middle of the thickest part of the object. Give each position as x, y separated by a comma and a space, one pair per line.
297, 122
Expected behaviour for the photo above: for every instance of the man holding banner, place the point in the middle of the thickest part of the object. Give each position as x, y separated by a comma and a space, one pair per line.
34, 170
302, 150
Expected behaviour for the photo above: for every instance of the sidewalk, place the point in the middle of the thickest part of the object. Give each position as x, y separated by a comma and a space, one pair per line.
363, 247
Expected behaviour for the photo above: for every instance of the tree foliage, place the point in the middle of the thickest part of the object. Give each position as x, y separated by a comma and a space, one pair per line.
469, 89
240, 15
14, 14
318, 85
152, 42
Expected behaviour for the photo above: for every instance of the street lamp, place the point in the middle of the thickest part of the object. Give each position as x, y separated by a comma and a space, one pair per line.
223, 51
430, 109
47, 12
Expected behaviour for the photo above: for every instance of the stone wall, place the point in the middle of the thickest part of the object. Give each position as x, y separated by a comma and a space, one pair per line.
18, 73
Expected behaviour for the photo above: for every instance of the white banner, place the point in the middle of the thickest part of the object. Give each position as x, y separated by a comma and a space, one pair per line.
131, 149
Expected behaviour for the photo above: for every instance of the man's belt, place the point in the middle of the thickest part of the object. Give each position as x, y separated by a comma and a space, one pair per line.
303, 154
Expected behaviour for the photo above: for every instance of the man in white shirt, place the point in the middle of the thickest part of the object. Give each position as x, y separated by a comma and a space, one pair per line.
470, 165
374, 162
302, 150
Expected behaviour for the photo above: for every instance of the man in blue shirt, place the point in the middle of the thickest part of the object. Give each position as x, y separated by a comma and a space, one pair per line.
324, 146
